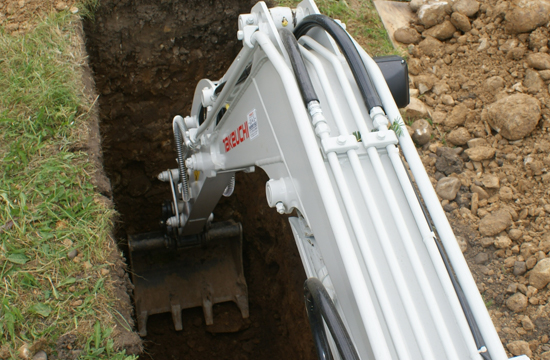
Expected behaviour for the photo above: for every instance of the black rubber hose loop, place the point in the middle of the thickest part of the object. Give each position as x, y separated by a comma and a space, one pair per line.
298, 65
320, 307
364, 82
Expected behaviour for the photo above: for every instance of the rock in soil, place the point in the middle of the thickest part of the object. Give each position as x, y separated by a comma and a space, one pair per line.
41, 355
407, 35
422, 131
448, 161
526, 15
447, 187
466, 7
519, 347
517, 302
494, 223
540, 275
515, 116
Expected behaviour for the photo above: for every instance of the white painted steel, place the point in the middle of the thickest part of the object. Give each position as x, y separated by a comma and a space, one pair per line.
366, 251
236, 70
441, 222
376, 255
429, 240
389, 252
351, 263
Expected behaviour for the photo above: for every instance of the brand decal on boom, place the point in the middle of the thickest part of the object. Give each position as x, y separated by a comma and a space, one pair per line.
248, 130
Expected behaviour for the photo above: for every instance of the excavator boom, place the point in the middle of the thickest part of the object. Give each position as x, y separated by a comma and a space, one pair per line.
305, 103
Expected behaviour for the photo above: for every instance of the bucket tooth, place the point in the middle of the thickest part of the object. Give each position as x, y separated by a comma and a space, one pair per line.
207, 309
142, 323
242, 304
176, 317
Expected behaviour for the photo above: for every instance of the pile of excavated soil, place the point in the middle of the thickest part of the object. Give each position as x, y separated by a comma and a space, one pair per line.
480, 72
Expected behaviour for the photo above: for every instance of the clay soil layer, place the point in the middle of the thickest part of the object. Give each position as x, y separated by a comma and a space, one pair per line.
147, 57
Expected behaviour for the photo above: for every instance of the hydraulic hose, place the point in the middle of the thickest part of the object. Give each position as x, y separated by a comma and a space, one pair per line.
319, 306
181, 159
298, 65
476, 333
364, 82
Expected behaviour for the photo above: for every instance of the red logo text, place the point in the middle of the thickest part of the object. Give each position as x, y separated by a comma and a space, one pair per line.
236, 137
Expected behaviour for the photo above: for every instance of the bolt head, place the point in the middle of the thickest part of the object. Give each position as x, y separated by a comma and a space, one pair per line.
341, 140
250, 20
240, 35
381, 135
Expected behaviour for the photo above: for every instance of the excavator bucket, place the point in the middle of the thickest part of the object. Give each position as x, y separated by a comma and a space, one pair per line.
172, 279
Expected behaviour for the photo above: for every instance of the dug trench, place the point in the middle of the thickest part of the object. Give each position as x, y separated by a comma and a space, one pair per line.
147, 57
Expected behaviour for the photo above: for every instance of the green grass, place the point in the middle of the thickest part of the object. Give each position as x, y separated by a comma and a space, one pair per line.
48, 205
362, 22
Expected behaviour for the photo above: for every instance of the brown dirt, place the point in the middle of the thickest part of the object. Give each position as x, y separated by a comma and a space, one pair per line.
520, 166
147, 57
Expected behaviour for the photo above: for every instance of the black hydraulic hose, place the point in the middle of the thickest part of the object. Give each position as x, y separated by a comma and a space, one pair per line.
319, 306
181, 161
478, 338
298, 65
364, 82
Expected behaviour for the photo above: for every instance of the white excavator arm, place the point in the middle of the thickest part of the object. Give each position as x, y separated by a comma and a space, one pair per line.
307, 104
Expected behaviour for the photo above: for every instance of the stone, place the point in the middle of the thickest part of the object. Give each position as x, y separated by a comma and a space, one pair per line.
531, 262
477, 142
545, 74
517, 302
447, 187
447, 100
480, 153
442, 31
502, 242
474, 206
481, 258
491, 181
422, 131
519, 347
505, 193
461, 22
415, 66
527, 323
459, 136
427, 80
72, 254
539, 277
441, 87
515, 234
539, 61
532, 81
466, 7
520, 268
407, 35
544, 244
545, 355
60, 5
462, 243
526, 15
479, 190
448, 161
514, 116
432, 47
432, 14
438, 117
41, 355
416, 109
495, 83
457, 116
483, 44
493, 224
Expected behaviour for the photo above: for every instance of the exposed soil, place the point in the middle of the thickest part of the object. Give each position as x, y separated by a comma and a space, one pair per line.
466, 82
147, 57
